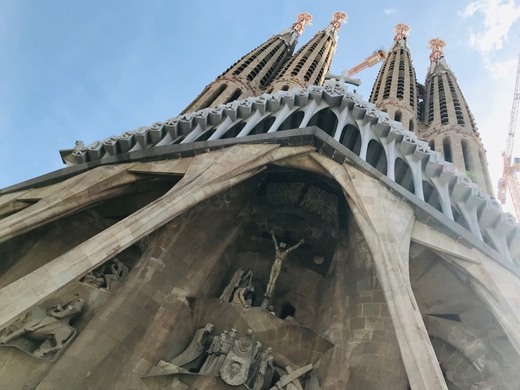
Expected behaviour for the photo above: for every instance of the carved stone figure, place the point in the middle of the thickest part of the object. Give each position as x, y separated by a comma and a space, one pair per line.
117, 272
107, 279
226, 343
241, 279
208, 368
262, 365
50, 329
95, 278
196, 348
235, 369
280, 256
244, 296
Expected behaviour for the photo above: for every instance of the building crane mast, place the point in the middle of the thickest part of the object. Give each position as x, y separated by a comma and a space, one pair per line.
378, 55
346, 76
509, 179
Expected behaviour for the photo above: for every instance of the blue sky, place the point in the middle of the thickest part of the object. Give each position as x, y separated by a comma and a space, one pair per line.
87, 70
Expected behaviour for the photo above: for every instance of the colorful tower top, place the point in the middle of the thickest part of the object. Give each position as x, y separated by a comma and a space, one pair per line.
337, 19
303, 19
437, 45
401, 31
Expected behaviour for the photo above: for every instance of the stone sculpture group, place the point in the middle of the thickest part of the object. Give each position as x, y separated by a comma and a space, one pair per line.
237, 360
44, 333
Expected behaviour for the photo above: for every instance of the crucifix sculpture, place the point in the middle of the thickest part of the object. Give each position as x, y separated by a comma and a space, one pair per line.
280, 255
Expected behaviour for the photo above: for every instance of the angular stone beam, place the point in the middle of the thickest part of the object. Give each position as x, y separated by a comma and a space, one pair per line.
207, 175
68, 197
498, 287
369, 200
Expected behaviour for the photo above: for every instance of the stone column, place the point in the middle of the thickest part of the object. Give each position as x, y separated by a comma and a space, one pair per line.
386, 223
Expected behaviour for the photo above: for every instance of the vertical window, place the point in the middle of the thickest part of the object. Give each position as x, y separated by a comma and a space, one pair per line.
446, 148
465, 155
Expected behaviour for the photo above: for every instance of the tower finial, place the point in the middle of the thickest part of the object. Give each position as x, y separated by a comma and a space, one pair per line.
303, 19
436, 44
401, 31
338, 18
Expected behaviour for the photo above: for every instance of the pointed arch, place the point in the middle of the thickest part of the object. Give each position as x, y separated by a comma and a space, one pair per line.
446, 149
263, 126
376, 156
465, 155
403, 175
432, 196
293, 121
234, 130
351, 138
326, 120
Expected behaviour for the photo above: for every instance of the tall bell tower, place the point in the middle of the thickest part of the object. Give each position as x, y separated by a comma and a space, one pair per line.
250, 74
395, 89
312, 62
451, 128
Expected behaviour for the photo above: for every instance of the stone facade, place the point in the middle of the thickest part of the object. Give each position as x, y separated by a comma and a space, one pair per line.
280, 242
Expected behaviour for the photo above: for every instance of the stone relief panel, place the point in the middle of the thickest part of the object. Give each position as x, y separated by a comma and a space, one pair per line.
44, 332
237, 360
244, 343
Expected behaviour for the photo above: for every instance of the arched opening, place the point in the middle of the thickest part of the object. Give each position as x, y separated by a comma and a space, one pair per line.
234, 130
293, 121
411, 125
403, 175
465, 155
205, 135
351, 138
235, 96
398, 115
431, 144
453, 313
446, 148
376, 156
325, 120
213, 96
284, 88
431, 195
263, 126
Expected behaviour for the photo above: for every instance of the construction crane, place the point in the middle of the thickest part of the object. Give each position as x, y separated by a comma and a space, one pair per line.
345, 76
378, 55
509, 179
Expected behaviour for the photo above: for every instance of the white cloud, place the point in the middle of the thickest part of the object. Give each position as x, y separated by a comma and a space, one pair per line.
501, 70
389, 11
499, 16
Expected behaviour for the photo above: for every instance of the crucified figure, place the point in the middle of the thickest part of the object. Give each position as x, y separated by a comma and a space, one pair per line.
280, 256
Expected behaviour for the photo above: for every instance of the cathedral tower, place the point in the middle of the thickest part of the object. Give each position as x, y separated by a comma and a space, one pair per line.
249, 75
289, 241
395, 89
451, 127
312, 62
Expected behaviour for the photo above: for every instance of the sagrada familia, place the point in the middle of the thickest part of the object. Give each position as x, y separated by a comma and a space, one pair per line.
280, 233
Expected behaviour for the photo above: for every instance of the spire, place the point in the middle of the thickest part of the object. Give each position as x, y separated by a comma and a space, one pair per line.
452, 129
303, 20
312, 62
395, 89
401, 32
250, 75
